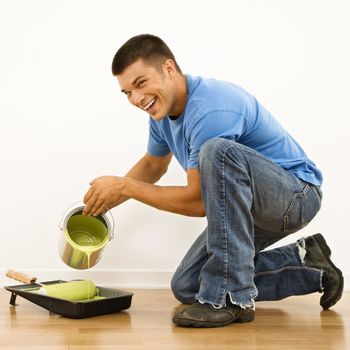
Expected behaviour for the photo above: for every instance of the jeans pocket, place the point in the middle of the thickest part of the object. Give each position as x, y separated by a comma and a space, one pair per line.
303, 207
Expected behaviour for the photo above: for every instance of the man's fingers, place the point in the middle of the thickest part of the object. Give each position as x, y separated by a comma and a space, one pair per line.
89, 205
101, 210
88, 195
100, 195
98, 204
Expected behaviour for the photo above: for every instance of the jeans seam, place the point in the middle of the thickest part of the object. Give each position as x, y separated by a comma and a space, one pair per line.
296, 196
296, 267
318, 193
226, 262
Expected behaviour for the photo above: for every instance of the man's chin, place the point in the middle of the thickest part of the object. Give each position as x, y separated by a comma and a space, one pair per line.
157, 117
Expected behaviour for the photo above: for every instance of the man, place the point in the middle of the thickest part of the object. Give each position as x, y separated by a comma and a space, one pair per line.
245, 173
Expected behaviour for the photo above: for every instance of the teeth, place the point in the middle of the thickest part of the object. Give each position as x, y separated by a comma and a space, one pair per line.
148, 105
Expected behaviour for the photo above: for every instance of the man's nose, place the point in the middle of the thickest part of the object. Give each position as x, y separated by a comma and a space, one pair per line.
138, 98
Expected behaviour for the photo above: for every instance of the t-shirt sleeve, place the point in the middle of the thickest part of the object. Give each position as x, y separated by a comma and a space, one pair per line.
224, 124
157, 146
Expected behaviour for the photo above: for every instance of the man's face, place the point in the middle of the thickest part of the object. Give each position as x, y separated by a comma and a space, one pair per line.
151, 89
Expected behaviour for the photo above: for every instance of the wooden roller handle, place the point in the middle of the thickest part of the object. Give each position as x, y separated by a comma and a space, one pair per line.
21, 277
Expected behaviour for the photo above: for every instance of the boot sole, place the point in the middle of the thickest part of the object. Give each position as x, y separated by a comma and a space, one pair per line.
248, 317
327, 253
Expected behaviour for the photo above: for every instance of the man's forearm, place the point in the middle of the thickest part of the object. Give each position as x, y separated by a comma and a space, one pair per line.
145, 172
175, 199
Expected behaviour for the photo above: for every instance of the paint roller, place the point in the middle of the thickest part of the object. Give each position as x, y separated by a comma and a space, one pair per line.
72, 290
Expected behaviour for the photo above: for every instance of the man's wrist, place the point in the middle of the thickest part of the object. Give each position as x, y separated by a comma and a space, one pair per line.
125, 189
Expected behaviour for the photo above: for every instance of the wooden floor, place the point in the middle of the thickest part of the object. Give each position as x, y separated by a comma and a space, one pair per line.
295, 323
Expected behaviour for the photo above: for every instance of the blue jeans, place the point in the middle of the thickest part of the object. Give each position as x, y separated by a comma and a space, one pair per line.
250, 203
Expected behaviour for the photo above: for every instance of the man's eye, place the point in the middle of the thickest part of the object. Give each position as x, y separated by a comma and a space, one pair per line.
140, 84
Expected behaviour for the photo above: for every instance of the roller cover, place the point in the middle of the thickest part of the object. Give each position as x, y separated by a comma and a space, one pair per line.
73, 290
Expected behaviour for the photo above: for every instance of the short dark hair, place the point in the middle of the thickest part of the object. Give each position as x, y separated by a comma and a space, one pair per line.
147, 47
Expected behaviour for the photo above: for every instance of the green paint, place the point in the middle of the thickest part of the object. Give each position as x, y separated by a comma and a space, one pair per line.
82, 291
86, 232
94, 298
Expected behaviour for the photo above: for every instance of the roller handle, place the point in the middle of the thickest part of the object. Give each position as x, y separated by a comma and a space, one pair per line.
21, 277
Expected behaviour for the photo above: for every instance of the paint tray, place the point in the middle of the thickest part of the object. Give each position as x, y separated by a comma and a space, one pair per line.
114, 301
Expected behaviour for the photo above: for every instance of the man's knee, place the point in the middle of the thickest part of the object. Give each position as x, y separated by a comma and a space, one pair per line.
213, 149
174, 286
179, 289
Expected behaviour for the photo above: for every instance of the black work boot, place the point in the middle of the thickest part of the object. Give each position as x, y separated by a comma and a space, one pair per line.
318, 256
205, 315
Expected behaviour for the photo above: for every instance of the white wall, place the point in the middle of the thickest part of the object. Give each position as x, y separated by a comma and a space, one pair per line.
64, 121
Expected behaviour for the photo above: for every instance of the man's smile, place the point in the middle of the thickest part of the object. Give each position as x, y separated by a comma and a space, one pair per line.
149, 105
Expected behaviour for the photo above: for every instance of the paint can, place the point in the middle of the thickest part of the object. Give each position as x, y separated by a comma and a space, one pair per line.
83, 237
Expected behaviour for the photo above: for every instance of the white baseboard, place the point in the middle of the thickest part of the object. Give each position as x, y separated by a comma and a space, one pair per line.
115, 278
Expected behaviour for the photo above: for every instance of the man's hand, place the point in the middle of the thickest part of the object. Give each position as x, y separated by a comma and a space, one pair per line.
105, 193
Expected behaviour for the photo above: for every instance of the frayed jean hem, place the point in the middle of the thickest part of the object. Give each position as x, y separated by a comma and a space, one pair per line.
249, 304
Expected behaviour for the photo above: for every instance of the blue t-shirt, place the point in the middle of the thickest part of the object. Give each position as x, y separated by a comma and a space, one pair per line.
221, 109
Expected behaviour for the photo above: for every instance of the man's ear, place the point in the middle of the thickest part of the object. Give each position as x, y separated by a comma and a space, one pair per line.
169, 67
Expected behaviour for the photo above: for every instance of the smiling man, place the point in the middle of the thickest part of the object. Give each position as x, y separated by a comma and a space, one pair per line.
245, 173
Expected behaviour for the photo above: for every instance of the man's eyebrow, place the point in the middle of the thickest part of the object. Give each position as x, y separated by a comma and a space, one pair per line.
134, 82
138, 78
